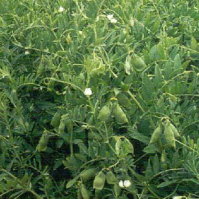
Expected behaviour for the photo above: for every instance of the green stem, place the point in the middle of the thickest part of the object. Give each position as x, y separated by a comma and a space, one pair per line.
71, 143
135, 100
153, 193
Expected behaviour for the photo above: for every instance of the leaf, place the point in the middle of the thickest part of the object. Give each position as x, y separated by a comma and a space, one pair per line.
151, 148
138, 136
167, 183
157, 52
158, 76
177, 62
99, 181
70, 183
156, 164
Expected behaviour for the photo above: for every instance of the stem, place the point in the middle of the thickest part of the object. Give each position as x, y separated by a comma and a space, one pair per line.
135, 100
71, 142
153, 192
25, 189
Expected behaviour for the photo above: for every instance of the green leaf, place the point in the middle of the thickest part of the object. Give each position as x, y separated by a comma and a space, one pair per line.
156, 164
167, 183
138, 136
70, 183
151, 148
177, 62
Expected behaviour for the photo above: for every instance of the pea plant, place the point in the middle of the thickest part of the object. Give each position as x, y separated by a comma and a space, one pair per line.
99, 99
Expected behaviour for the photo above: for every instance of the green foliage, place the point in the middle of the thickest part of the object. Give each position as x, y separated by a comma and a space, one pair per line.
140, 123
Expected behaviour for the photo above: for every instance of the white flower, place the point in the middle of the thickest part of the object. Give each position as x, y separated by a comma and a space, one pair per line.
178, 197
121, 183
110, 17
113, 20
132, 22
80, 32
88, 92
61, 9
27, 52
127, 183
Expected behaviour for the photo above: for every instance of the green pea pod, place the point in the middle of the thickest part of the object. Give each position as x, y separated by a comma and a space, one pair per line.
117, 190
126, 148
56, 119
110, 178
88, 174
105, 112
42, 145
138, 63
175, 131
163, 160
156, 134
61, 127
84, 192
169, 135
119, 114
99, 181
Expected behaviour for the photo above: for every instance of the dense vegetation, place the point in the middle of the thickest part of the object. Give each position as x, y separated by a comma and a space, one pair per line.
99, 99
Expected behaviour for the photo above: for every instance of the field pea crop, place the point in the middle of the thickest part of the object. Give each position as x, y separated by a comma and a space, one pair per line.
99, 99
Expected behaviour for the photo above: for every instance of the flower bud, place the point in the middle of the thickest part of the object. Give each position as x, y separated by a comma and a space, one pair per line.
61, 9
110, 17
127, 183
132, 22
88, 92
121, 183
113, 20
27, 52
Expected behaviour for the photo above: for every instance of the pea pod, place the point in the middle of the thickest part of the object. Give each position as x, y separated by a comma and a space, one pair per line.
110, 177
156, 134
105, 112
88, 174
175, 131
84, 192
42, 145
119, 114
138, 63
99, 181
56, 119
61, 127
169, 135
